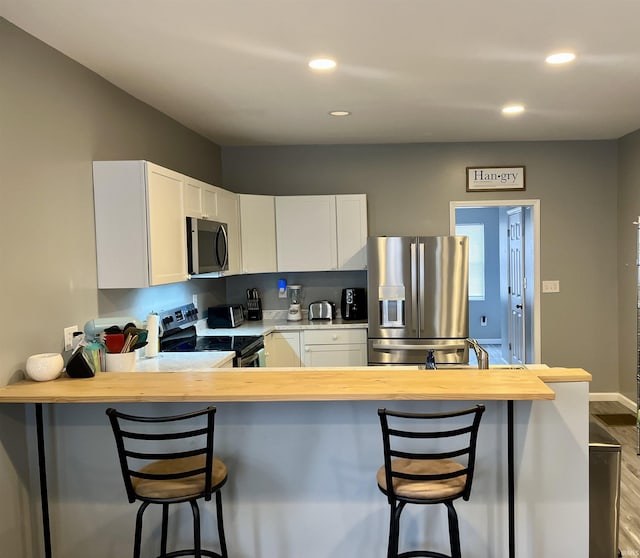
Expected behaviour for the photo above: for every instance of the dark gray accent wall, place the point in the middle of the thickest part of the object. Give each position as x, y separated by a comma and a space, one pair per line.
409, 188
628, 212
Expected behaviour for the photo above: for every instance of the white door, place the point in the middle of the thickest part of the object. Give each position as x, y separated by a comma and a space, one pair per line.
516, 287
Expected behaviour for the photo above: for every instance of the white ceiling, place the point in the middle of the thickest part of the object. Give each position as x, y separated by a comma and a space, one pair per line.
409, 70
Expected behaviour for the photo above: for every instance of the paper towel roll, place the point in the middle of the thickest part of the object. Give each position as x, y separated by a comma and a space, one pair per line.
151, 349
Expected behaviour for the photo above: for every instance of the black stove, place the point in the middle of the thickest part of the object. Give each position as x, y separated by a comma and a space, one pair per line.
180, 336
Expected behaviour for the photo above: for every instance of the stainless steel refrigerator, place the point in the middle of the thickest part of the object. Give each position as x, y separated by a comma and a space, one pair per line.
418, 299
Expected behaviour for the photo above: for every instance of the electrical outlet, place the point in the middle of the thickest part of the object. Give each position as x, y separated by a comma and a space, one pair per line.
551, 286
68, 337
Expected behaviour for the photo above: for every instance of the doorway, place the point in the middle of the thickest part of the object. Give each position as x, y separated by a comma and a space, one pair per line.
504, 312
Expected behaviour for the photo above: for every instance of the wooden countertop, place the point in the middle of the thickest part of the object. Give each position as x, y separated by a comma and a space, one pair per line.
555, 375
273, 384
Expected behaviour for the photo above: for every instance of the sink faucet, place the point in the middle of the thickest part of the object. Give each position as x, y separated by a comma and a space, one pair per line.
481, 354
430, 364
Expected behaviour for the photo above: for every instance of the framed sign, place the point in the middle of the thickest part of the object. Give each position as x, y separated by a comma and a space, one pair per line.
491, 179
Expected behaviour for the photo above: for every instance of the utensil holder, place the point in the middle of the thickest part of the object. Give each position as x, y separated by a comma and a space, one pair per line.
121, 362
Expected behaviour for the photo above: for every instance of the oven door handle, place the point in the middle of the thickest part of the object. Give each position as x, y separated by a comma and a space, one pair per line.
249, 360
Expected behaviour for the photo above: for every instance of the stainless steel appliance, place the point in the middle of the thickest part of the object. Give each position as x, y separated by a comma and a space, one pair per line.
179, 335
322, 310
254, 305
225, 315
418, 299
207, 246
353, 304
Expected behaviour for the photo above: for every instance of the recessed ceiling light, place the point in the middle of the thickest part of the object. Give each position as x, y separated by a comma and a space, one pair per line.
322, 64
340, 113
560, 58
512, 109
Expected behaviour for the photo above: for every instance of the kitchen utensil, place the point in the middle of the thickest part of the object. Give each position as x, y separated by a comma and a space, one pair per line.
130, 340
114, 342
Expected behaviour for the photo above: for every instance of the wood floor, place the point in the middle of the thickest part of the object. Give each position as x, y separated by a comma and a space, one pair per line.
629, 529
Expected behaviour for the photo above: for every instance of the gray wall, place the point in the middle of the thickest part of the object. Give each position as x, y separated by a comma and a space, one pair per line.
56, 117
628, 212
409, 188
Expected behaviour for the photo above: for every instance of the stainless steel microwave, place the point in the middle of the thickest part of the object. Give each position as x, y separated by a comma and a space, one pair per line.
207, 246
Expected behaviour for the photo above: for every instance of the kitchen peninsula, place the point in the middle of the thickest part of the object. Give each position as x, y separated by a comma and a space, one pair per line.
303, 446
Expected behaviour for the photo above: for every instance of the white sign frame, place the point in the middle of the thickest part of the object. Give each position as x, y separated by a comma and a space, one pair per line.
493, 179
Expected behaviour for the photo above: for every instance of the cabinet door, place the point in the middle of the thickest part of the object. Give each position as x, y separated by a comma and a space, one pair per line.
351, 219
167, 231
228, 213
283, 349
200, 199
306, 233
258, 233
335, 355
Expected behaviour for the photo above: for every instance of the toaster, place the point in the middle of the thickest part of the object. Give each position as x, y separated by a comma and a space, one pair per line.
225, 315
322, 310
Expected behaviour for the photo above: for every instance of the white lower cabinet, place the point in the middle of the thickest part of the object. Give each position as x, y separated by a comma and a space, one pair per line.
337, 347
282, 349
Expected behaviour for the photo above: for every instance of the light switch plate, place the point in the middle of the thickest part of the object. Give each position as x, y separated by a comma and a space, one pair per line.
551, 286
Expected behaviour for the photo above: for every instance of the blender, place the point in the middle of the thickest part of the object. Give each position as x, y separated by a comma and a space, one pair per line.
295, 303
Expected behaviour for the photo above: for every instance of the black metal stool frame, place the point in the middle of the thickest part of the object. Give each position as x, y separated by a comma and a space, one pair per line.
118, 421
398, 502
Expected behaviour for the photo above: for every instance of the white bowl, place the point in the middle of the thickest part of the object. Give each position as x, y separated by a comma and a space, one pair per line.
45, 366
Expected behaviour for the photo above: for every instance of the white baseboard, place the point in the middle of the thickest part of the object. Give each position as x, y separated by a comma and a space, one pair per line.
490, 341
614, 396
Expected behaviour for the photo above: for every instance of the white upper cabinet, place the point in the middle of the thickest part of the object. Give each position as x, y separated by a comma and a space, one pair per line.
200, 199
321, 233
352, 230
140, 224
306, 233
229, 213
258, 233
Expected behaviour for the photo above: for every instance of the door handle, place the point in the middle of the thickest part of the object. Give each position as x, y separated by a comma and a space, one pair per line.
519, 306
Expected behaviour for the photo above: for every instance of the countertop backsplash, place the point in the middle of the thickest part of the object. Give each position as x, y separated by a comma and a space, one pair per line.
321, 285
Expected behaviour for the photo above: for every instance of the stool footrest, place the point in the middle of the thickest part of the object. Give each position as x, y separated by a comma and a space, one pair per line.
190, 552
423, 554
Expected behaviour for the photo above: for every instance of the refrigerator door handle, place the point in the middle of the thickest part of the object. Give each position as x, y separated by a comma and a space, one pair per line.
394, 347
421, 292
414, 287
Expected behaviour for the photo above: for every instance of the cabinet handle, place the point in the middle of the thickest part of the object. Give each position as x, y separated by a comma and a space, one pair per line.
306, 348
335, 337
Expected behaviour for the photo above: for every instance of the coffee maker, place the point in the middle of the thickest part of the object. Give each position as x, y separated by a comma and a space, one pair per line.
353, 304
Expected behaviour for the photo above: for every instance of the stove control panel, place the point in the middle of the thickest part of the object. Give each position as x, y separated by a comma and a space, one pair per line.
178, 318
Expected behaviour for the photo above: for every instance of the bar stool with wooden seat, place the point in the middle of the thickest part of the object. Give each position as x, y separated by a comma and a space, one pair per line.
414, 473
169, 460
